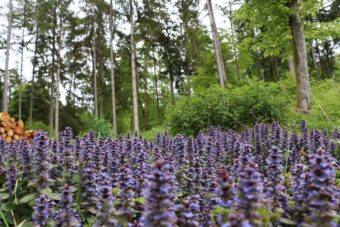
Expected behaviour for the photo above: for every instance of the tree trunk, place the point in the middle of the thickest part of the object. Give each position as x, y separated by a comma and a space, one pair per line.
291, 64
94, 67
146, 101
234, 43
8, 47
133, 72
217, 45
172, 92
300, 61
113, 89
156, 87
21, 64
30, 112
52, 87
58, 72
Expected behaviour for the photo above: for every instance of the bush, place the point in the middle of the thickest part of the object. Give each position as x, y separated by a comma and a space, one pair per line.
100, 126
229, 108
36, 125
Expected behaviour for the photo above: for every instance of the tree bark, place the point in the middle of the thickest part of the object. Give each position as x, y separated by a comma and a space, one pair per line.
21, 64
133, 72
52, 87
8, 47
156, 87
113, 89
291, 64
58, 71
94, 67
30, 112
300, 61
146, 101
217, 45
172, 91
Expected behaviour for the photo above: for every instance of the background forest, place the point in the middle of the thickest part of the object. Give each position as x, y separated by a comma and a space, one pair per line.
87, 56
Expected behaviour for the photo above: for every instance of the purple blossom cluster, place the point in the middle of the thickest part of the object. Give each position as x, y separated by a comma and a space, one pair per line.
263, 176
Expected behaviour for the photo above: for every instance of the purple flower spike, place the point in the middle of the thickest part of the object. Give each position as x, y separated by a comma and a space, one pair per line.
157, 210
225, 188
40, 154
250, 193
105, 209
67, 216
42, 211
275, 188
323, 195
11, 178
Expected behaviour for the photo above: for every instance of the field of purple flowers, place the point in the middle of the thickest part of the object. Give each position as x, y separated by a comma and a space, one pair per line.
264, 176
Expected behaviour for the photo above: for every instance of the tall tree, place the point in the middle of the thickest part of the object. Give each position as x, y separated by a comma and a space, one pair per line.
8, 47
22, 49
58, 65
133, 71
300, 60
217, 45
113, 90
94, 65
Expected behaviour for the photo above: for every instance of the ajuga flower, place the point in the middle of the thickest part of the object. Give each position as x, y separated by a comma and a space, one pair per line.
89, 178
188, 213
323, 195
42, 210
11, 177
67, 216
237, 220
250, 192
157, 211
225, 188
105, 207
40, 154
126, 194
275, 188
26, 159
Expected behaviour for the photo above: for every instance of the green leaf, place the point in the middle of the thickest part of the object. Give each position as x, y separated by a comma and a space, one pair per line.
28, 224
221, 210
140, 200
263, 211
4, 196
50, 194
291, 203
287, 221
27, 198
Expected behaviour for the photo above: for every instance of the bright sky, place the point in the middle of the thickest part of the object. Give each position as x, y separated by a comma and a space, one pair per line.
222, 23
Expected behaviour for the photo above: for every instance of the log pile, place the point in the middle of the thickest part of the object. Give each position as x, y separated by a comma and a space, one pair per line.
11, 129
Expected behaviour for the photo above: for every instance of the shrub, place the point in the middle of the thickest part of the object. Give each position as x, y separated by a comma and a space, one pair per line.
229, 108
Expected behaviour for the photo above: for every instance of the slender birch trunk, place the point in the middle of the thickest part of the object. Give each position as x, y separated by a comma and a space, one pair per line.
94, 67
217, 45
156, 87
8, 47
30, 112
21, 64
134, 72
146, 101
113, 89
58, 71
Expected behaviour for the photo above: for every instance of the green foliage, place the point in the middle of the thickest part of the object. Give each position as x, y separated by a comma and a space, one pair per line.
152, 133
229, 108
100, 126
325, 107
36, 125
